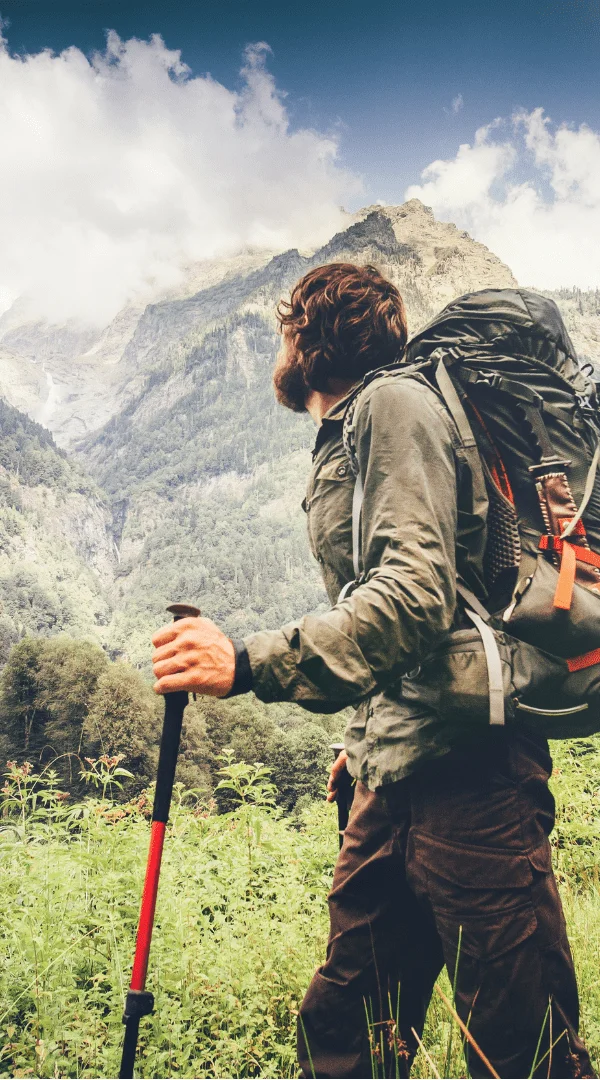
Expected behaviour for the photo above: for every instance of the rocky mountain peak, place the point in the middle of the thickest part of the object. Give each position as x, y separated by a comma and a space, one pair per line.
73, 380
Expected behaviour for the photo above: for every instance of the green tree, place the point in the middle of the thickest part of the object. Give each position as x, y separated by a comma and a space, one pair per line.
195, 751
45, 692
299, 761
124, 718
243, 723
8, 637
22, 717
69, 674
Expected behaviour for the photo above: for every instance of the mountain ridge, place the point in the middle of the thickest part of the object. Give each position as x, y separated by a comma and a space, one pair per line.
94, 372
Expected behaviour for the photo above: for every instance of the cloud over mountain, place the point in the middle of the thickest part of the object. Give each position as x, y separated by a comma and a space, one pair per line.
531, 192
117, 169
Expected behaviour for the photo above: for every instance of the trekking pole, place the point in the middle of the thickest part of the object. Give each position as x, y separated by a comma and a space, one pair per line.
344, 794
139, 1001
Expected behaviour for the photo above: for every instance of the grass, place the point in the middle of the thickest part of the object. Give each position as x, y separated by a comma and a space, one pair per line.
241, 924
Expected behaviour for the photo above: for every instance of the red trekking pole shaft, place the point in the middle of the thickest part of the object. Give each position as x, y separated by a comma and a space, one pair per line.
139, 1001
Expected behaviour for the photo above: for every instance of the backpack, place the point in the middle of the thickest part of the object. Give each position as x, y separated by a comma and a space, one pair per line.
527, 415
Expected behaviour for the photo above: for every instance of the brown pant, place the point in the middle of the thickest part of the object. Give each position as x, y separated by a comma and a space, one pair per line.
448, 867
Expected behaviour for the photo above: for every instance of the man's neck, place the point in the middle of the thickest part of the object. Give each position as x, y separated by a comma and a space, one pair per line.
319, 403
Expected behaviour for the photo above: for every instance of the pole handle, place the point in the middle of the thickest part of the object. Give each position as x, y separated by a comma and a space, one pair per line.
344, 794
183, 611
175, 704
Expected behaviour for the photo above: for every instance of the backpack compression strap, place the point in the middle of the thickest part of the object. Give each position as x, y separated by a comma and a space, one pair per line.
480, 618
587, 494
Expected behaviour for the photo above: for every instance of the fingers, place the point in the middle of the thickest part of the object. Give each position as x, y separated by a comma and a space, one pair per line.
195, 655
332, 787
166, 633
170, 666
339, 765
180, 640
336, 770
170, 683
164, 652
174, 630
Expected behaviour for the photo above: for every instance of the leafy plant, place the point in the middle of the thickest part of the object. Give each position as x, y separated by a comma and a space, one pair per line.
104, 773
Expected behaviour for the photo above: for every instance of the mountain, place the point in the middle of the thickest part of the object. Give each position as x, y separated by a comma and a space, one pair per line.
581, 311
72, 379
56, 546
170, 413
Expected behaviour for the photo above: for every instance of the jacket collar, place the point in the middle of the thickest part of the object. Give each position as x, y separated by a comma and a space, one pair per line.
332, 421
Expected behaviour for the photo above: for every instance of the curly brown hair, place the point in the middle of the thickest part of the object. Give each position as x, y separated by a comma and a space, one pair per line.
343, 320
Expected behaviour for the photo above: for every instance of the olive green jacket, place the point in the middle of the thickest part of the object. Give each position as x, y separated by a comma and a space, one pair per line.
415, 514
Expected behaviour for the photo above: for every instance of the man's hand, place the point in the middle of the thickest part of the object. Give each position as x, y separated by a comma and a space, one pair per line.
193, 654
336, 769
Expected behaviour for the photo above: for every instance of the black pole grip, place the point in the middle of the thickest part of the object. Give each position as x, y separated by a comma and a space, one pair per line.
344, 794
175, 704
345, 797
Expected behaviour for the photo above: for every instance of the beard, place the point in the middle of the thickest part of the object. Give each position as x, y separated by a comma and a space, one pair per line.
290, 387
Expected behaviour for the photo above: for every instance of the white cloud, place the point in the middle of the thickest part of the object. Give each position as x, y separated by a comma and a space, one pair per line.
456, 105
116, 170
546, 225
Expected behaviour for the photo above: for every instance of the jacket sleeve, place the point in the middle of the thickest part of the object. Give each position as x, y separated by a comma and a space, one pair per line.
406, 602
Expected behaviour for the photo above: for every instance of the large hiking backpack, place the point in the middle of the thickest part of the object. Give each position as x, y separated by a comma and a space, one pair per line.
527, 415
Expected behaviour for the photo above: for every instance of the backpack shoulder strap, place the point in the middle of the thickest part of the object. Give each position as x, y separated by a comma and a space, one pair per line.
450, 396
350, 448
474, 609
467, 438
398, 371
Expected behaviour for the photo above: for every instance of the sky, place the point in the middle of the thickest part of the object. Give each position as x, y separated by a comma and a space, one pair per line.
250, 124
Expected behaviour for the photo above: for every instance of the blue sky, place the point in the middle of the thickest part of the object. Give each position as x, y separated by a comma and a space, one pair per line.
383, 76
125, 158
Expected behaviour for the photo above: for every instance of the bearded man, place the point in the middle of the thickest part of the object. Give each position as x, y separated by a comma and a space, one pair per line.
446, 859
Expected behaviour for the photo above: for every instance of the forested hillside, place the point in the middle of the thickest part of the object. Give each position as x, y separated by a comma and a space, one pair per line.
56, 548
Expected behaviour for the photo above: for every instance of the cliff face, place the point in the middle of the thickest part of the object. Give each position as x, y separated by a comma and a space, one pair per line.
170, 409
57, 553
581, 312
73, 379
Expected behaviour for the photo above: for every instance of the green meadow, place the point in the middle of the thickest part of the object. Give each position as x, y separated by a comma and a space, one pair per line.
241, 923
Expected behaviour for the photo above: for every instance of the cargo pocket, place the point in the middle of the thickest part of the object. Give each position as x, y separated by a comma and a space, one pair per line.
487, 904
481, 897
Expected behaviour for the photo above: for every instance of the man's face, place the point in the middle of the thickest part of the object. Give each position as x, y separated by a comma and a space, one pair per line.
290, 388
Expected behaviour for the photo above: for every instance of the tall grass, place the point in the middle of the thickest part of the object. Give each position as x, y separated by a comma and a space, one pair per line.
241, 924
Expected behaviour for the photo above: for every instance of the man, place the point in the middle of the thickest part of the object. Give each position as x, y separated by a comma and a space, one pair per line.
446, 857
